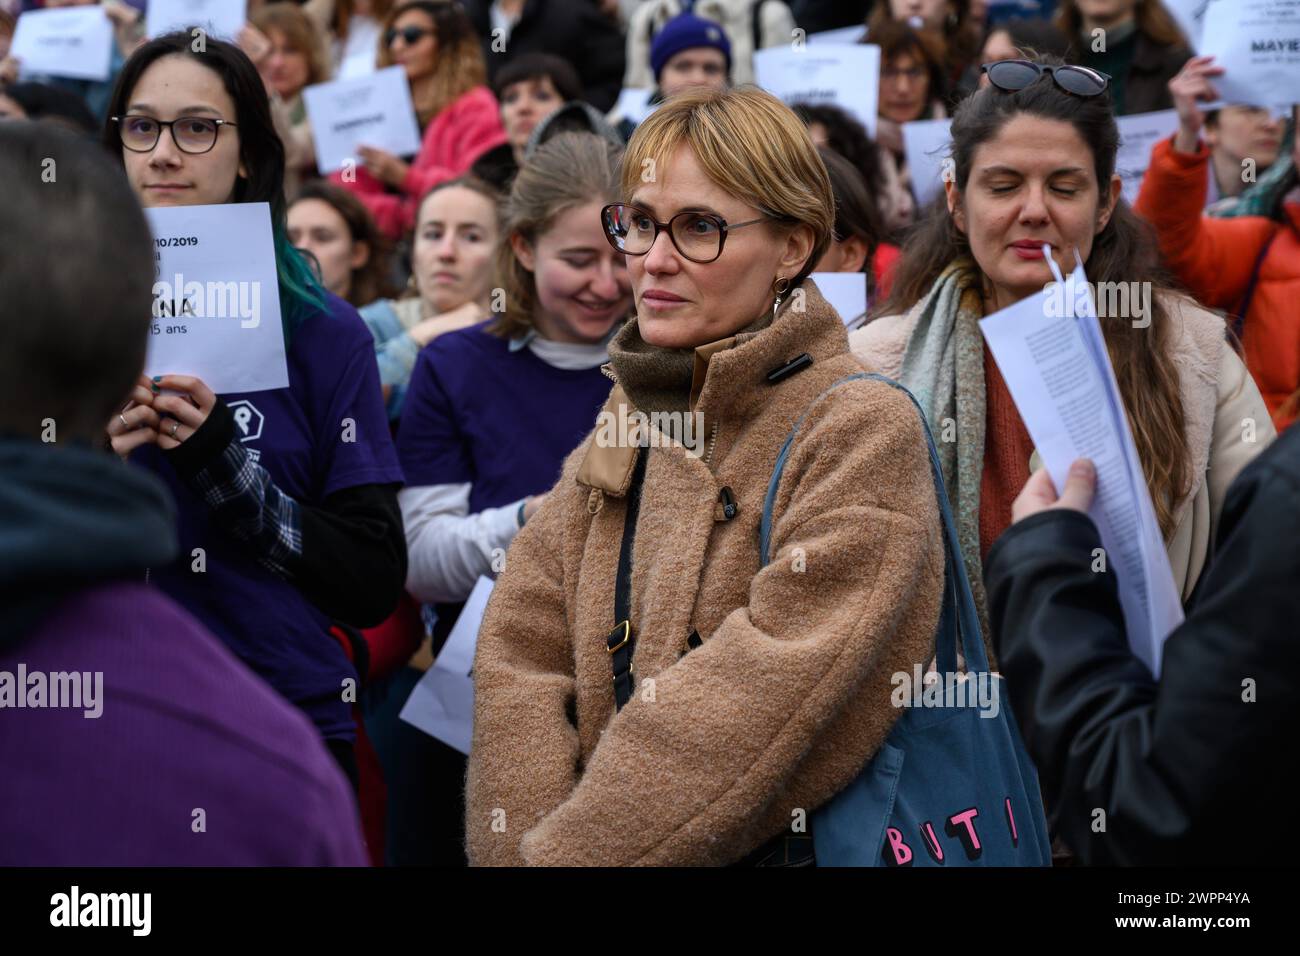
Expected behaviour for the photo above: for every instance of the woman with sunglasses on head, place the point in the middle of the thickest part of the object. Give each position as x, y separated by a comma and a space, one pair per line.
287, 504
434, 42
733, 692
1034, 164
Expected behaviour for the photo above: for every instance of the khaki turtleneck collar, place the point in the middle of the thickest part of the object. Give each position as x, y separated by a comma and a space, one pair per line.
668, 380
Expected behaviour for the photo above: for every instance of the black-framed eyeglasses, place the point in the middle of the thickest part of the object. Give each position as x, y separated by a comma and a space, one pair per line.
699, 236
410, 35
191, 134
1014, 75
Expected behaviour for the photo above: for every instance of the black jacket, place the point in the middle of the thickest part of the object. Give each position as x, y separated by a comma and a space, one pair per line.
1188, 769
573, 29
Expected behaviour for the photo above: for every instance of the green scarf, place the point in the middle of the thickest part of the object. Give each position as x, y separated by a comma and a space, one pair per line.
943, 366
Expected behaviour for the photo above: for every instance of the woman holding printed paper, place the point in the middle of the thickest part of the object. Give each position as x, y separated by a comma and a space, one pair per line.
911, 88
1034, 165
435, 44
287, 505
760, 688
1248, 265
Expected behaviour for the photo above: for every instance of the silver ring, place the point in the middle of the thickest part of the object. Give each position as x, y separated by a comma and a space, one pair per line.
125, 423
175, 428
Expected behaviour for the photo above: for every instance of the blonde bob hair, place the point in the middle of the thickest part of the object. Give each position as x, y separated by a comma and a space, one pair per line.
751, 145
572, 169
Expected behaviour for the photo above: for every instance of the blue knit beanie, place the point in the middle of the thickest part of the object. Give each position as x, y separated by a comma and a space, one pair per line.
684, 32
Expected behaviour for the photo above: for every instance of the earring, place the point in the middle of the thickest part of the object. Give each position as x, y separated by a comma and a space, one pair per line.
779, 286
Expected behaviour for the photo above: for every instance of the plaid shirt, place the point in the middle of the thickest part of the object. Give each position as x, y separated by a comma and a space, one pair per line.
249, 506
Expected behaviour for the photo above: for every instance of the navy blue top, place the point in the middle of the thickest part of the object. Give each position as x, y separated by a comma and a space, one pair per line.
301, 437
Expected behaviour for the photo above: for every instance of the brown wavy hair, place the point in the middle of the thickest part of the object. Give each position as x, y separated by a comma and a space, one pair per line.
1124, 251
572, 169
372, 281
459, 65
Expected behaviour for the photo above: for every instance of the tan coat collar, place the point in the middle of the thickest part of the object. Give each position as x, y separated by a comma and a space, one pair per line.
730, 379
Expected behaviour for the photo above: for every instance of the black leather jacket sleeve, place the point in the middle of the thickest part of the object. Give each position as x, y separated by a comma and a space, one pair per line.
1183, 770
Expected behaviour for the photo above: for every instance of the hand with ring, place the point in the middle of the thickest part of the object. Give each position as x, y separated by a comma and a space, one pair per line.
137, 423
187, 410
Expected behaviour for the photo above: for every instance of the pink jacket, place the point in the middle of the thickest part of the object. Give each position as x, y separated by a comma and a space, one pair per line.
453, 140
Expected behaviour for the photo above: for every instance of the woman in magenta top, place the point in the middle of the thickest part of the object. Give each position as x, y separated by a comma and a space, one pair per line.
436, 45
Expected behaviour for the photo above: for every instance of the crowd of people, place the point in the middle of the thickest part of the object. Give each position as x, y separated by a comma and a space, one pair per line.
464, 328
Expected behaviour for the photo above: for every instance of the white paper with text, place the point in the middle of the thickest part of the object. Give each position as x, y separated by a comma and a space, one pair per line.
1050, 351
216, 311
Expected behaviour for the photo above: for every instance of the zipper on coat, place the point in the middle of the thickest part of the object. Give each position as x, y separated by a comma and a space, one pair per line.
713, 441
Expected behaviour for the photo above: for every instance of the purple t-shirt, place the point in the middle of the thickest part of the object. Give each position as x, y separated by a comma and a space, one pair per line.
499, 419
327, 431
175, 754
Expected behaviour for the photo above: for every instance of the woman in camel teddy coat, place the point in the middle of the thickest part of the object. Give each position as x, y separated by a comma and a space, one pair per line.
759, 691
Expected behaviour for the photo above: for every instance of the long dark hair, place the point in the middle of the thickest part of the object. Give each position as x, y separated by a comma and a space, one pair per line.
1124, 251
260, 150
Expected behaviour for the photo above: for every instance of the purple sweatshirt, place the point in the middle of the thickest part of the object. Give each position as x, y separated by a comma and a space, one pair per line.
190, 760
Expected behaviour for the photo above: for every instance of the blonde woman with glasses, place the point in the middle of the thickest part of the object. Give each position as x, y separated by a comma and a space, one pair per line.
650, 689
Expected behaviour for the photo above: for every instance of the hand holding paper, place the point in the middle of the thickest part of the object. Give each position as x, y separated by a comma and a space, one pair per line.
368, 111
1039, 494
1051, 353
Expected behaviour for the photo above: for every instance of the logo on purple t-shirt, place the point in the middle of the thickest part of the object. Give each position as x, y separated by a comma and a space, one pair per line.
249, 422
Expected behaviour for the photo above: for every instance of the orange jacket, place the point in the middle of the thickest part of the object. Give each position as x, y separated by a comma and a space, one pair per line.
1214, 258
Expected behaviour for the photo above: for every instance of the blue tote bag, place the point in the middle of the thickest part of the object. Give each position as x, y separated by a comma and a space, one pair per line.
948, 787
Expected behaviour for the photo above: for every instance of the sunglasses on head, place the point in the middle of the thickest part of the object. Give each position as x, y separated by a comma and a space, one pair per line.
1013, 75
410, 35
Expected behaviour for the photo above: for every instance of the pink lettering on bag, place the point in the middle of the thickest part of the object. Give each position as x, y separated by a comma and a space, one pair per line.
931, 842
901, 852
962, 826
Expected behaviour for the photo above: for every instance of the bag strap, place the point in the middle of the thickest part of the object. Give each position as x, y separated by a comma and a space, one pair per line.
621, 641
1239, 320
959, 602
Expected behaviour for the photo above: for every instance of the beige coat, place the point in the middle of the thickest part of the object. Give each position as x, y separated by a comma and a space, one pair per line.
719, 748
1226, 419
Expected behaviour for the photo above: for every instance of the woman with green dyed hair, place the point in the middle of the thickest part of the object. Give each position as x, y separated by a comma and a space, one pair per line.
287, 504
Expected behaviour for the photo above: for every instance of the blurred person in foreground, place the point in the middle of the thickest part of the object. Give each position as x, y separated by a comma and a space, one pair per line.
1139, 770
131, 736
